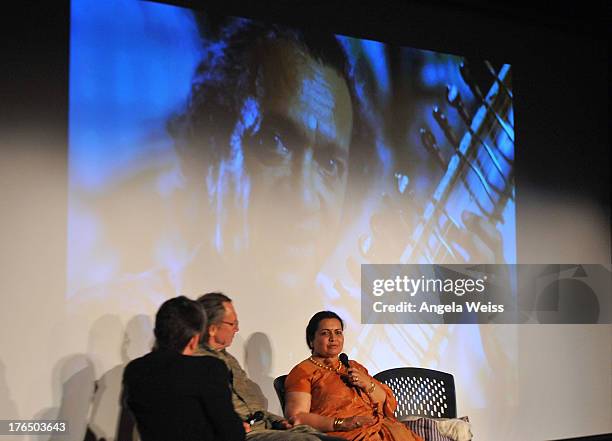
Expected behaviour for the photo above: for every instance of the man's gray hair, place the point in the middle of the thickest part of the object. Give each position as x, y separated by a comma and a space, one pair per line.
214, 309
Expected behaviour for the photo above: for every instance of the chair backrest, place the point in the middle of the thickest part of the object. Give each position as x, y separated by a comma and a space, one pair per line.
421, 392
279, 387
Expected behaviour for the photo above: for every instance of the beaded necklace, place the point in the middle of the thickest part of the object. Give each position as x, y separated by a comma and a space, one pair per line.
316, 363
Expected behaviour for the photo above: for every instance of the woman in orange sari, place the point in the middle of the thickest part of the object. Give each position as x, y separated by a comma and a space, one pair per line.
345, 402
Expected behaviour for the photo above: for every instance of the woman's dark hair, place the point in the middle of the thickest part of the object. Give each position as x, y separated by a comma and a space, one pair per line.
313, 324
176, 322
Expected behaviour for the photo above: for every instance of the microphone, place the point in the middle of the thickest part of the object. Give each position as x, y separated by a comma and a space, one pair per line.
344, 360
254, 417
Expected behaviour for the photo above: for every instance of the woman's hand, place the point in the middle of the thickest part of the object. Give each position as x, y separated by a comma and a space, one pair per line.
367, 384
354, 422
359, 379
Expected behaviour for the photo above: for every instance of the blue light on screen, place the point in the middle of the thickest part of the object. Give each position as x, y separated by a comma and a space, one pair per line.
131, 65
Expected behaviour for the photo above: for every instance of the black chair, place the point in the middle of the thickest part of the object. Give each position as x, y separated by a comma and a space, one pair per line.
421, 392
279, 387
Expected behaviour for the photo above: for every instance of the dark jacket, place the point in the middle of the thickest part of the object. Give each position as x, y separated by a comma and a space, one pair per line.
176, 397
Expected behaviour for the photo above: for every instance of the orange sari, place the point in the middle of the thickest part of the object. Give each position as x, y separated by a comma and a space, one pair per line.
333, 398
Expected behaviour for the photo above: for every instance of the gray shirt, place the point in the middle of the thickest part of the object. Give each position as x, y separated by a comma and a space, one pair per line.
246, 394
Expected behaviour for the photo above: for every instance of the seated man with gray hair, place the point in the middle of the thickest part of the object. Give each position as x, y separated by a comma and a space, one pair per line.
246, 396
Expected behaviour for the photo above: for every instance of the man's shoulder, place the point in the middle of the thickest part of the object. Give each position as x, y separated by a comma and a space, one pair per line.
139, 370
166, 359
141, 362
207, 361
228, 359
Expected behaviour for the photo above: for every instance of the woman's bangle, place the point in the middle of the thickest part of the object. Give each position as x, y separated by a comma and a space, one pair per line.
371, 389
337, 423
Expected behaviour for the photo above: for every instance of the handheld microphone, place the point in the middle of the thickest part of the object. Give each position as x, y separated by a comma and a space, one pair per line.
254, 417
344, 360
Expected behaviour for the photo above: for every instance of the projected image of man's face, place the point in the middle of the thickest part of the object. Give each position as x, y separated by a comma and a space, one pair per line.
297, 156
265, 148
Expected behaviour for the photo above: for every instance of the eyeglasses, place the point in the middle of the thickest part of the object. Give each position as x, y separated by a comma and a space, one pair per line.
232, 324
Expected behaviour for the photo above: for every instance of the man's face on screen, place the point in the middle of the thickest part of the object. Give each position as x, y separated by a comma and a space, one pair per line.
296, 157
